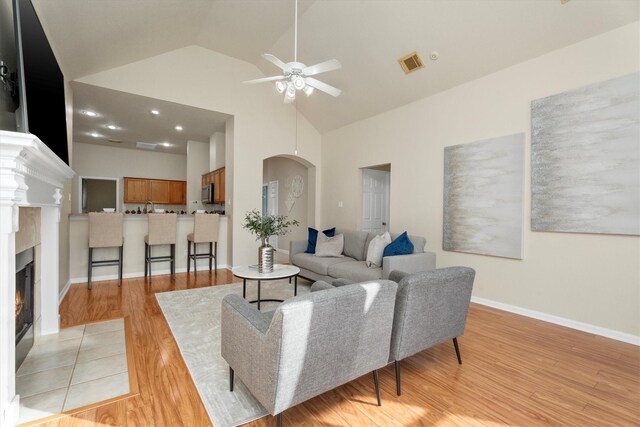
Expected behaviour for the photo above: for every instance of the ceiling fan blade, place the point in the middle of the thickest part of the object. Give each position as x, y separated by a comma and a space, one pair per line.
323, 86
330, 65
275, 61
265, 79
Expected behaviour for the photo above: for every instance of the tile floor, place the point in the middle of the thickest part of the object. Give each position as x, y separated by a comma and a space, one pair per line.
76, 367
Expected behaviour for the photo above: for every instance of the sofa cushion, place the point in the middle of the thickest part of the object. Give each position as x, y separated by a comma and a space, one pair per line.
313, 238
400, 246
318, 265
354, 243
354, 270
418, 242
376, 249
330, 246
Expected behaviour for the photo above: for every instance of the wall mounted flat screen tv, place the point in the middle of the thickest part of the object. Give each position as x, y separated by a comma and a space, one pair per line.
42, 109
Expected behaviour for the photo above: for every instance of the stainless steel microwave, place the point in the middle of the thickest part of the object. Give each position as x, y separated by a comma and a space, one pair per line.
207, 194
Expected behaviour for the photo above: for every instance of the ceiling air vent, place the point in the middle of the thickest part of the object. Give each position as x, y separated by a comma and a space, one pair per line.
411, 62
146, 145
117, 141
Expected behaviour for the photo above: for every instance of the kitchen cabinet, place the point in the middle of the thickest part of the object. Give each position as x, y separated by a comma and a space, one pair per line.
161, 191
136, 190
177, 192
217, 178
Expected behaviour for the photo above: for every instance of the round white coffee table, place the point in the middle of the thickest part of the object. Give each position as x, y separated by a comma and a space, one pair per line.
280, 271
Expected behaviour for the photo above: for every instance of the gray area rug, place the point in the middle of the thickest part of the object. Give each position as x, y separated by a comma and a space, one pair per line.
194, 318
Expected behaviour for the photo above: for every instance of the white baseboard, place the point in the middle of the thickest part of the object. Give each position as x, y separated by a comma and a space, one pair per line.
141, 274
573, 324
64, 291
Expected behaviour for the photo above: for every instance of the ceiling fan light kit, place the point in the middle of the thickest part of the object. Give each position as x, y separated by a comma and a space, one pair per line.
296, 75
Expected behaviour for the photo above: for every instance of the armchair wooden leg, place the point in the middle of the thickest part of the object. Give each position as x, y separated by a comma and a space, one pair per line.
455, 344
398, 390
375, 382
279, 420
230, 379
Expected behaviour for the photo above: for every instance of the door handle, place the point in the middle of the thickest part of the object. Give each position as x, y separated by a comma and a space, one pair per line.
384, 223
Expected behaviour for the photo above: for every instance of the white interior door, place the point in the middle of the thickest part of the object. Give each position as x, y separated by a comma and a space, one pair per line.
272, 207
375, 200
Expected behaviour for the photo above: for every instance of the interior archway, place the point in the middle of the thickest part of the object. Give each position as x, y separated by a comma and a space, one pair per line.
295, 194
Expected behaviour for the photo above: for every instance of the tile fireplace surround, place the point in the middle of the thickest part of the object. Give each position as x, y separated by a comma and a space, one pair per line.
31, 175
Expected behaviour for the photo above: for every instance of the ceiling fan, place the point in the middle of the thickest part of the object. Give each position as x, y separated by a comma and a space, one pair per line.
296, 75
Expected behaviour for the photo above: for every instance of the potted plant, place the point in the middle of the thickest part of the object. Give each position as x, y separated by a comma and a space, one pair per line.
263, 227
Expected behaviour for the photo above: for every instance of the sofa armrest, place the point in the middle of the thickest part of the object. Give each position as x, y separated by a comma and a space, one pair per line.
320, 286
397, 275
297, 247
246, 314
411, 263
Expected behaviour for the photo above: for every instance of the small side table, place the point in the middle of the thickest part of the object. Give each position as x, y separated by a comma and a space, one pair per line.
280, 271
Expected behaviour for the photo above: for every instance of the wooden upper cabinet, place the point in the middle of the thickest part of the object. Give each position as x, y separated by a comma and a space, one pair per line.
162, 191
217, 178
177, 192
221, 194
159, 190
136, 190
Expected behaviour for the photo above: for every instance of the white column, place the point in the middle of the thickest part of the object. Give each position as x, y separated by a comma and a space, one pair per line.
49, 274
9, 401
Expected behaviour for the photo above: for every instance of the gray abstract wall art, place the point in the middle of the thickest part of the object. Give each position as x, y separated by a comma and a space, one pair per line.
585, 159
483, 187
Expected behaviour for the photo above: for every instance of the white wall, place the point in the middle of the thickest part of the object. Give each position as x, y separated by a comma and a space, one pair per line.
262, 125
216, 151
197, 165
113, 162
593, 279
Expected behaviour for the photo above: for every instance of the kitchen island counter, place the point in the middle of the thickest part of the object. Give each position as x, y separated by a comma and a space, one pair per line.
135, 228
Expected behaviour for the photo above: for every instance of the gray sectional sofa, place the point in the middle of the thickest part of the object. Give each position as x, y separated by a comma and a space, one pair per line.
353, 265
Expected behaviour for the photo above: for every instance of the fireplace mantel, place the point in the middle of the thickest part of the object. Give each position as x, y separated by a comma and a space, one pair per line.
31, 175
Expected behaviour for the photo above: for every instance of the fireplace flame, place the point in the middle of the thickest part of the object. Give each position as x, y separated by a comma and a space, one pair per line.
19, 303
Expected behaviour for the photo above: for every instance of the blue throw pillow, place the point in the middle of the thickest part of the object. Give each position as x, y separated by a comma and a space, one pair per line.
400, 246
313, 238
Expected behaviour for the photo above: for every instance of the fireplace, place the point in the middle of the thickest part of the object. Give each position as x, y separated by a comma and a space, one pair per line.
24, 310
31, 176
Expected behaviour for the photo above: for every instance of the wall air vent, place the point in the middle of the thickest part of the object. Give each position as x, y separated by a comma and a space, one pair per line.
146, 145
411, 62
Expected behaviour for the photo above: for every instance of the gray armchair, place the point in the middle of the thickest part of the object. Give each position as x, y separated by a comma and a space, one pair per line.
431, 307
311, 344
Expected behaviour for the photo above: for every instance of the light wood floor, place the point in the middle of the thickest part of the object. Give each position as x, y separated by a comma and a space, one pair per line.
516, 371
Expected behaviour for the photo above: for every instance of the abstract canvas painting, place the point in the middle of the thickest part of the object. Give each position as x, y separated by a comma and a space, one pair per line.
483, 186
585, 159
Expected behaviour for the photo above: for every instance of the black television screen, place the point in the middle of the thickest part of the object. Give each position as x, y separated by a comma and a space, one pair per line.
42, 103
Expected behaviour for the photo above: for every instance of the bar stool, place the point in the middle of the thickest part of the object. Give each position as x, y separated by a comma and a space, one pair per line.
162, 231
205, 230
105, 231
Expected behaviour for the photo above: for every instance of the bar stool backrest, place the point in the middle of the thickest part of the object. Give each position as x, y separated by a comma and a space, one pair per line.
162, 228
105, 230
205, 228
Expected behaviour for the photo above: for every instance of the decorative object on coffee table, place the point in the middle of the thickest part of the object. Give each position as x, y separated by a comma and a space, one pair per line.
264, 227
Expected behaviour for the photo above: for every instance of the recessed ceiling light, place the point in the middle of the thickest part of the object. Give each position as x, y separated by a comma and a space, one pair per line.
155, 112
166, 144
112, 127
94, 134
178, 127
89, 113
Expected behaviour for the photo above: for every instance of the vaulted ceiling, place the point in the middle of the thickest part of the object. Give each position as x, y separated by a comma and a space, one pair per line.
473, 38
